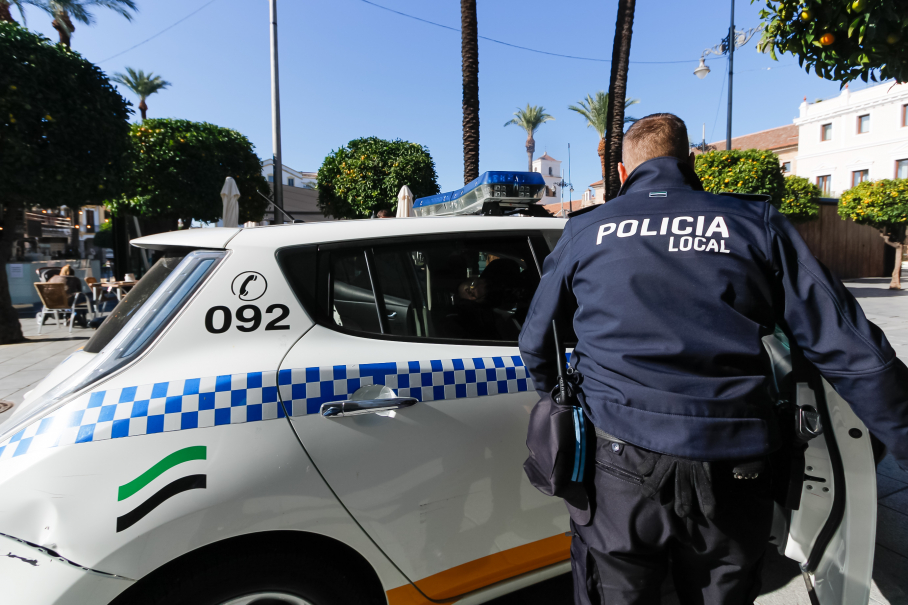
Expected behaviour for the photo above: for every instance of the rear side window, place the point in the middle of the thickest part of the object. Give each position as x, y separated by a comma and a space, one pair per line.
460, 288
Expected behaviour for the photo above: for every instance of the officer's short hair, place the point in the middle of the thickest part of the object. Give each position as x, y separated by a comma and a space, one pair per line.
656, 135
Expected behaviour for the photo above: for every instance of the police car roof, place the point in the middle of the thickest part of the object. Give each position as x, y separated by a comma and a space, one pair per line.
278, 236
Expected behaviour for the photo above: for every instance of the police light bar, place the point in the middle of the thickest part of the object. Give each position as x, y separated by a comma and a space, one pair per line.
503, 189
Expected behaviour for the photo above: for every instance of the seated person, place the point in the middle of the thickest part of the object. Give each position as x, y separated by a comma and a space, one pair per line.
478, 306
73, 286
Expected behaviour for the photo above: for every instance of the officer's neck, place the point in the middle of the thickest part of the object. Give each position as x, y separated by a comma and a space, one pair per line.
661, 173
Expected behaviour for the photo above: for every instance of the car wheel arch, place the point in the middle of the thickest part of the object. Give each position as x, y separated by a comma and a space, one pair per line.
303, 545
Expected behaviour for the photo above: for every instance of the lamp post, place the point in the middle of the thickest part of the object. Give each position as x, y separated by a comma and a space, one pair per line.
735, 39
277, 162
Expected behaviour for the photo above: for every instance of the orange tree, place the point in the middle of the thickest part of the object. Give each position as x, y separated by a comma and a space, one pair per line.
366, 175
842, 40
63, 136
757, 171
176, 169
884, 206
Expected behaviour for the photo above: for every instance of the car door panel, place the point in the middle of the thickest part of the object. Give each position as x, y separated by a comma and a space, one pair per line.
441, 483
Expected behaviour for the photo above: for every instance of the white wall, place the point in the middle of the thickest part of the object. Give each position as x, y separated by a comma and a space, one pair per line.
299, 178
876, 151
543, 167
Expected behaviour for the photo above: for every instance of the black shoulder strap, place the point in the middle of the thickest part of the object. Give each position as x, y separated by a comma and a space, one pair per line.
583, 210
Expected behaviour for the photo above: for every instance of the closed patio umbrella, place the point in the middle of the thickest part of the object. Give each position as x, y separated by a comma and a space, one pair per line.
404, 203
229, 195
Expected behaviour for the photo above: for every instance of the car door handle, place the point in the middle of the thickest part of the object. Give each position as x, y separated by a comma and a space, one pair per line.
339, 409
392, 314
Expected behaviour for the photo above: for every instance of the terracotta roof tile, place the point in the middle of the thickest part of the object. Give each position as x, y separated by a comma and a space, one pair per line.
772, 139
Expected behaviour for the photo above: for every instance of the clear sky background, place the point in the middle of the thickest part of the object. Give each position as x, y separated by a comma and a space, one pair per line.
349, 69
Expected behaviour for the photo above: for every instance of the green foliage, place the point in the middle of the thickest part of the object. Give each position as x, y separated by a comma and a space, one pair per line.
880, 204
737, 171
177, 170
595, 110
63, 127
863, 38
104, 236
367, 174
530, 118
799, 202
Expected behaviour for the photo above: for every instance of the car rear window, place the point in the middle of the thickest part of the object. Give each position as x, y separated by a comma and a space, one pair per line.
462, 287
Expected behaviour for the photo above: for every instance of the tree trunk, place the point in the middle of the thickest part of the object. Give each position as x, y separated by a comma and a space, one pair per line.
64, 26
5, 15
469, 51
10, 328
617, 92
143, 108
531, 149
896, 283
602, 155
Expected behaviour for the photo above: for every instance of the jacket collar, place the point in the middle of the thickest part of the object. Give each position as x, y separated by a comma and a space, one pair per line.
661, 173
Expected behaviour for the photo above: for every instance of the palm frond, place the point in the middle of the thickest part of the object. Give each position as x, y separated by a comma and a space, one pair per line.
141, 84
595, 110
530, 118
79, 10
20, 4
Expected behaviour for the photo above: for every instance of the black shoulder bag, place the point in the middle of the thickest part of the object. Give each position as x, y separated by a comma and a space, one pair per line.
561, 440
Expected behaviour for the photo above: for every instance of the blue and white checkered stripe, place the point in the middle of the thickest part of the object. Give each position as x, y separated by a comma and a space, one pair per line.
181, 405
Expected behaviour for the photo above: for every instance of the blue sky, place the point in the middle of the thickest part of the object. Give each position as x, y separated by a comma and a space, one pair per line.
349, 69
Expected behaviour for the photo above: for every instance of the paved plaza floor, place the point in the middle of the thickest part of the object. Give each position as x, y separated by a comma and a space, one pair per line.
22, 366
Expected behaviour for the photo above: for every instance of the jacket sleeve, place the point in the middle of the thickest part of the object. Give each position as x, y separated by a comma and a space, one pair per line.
553, 300
830, 327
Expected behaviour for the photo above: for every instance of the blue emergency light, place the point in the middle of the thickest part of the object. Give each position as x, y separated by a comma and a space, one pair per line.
502, 189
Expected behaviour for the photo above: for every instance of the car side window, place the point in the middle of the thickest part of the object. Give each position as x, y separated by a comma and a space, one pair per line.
464, 287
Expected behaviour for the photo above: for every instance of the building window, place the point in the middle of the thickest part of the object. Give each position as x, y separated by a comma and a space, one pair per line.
290, 183
270, 178
550, 171
786, 167
901, 169
824, 182
864, 124
859, 176
826, 132
904, 115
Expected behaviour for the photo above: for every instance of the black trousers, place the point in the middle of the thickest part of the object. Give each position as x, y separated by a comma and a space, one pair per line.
623, 556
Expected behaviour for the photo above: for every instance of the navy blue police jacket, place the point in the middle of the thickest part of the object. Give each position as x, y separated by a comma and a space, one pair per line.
670, 290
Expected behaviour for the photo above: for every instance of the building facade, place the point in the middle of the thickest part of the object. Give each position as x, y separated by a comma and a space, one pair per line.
550, 169
856, 136
290, 177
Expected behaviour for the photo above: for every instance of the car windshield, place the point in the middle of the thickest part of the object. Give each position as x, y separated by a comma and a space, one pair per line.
133, 301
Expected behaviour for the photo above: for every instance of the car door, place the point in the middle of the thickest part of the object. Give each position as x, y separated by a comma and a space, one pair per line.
830, 525
435, 478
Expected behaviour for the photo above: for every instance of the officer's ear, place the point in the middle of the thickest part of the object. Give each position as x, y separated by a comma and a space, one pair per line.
622, 172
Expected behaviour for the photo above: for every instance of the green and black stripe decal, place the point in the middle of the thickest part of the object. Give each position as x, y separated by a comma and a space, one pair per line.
178, 486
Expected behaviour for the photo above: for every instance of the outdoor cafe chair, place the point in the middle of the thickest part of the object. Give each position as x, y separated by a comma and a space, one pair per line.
55, 300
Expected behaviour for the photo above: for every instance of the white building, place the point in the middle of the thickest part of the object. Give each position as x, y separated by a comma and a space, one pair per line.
854, 137
291, 177
550, 169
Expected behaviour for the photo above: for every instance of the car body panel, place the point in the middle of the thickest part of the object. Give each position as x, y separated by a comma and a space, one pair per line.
445, 471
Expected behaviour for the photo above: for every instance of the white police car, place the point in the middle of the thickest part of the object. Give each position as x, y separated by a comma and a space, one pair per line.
326, 414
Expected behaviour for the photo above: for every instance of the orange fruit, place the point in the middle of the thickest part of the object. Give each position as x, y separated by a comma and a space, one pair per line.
892, 38
827, 39
806, 15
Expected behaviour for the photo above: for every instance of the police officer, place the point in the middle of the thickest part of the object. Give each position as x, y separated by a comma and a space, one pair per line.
670, 290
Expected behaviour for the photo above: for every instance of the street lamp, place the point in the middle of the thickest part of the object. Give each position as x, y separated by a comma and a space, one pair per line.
735, 39
277, 163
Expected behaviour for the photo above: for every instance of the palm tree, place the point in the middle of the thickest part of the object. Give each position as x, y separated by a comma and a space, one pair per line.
596, 113
6, 14
530, 119
469, 53
617, 89
64, 11
141, 84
